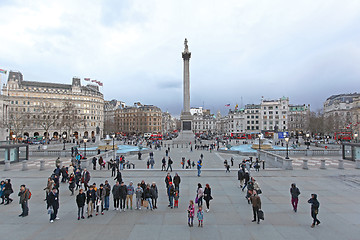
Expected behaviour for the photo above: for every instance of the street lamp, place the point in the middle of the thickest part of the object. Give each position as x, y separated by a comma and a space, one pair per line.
287, 147
308, 141
64, 137
355, 136
113, 137
85, 140
14, 138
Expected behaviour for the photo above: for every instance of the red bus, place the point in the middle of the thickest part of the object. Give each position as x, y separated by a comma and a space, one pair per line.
238, 136
346, 136
156, 137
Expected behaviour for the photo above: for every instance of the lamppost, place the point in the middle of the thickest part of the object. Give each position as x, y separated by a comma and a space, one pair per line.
287, 147
85, 140
14, 138
113, 137
355, 136
308, 141
64, 137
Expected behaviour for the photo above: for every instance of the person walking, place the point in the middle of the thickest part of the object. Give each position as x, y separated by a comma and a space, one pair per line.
107, 195
207, 197
100, 195
154, 194
8, 190
246, 179
80, 201
129, 196
256, 206
199, 195
2, 187
77, 179
295, 192
118, 177
168, 179
163, 166
152, 163
170, 162
90, 200
177, 181
138, 193
85, 178
116, 195
123, 194
94, 160
53, 204
191, 213
72, 183
241, 177
176, 198
23, 201
314, 209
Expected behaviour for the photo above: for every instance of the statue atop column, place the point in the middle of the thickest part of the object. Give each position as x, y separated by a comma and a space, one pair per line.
186, 45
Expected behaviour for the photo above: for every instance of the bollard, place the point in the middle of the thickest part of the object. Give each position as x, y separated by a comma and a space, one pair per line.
357, 165
341, 164
83, 163
7, 165
42, 165
24, 165
305, 164
287, 164
322, 166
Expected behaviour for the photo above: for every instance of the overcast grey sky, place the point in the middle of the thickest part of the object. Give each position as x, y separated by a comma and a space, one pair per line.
307, 50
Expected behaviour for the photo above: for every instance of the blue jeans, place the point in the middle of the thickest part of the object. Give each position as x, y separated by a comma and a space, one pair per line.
107, 202
121, 166
171, 200
199, 172
150, 204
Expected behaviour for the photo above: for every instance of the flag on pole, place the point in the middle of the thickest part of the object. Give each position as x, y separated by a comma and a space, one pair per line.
93, 80
227, 105
3, 71
100, 83
87, 79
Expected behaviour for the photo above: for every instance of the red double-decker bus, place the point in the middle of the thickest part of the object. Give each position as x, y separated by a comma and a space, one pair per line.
343, 136
156, 137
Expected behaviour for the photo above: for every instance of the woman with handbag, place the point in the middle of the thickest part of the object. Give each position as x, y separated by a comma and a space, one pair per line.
199, 195
207, 197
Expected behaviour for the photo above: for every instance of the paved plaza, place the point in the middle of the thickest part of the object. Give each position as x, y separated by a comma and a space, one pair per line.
230, 215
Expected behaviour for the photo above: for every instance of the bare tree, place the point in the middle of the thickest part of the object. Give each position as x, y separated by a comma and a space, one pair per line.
48, 116
17, 121
70, 117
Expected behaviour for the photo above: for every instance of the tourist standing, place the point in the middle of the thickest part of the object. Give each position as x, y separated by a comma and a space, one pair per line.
123, 194
241, 177
90, 199
207, 197
176, 198
107, 195
80, 201
100, 194
295, 192
191, 213
129, 196
23, 201
199, 195
177, 181
53, 204
85, 178
199, 165
49, 187
2, 187
200, 216
116, 195
171, 193
256, 206
8, 190
154, 194
148, 197
138, 193
163, 166
72, 183
314, 209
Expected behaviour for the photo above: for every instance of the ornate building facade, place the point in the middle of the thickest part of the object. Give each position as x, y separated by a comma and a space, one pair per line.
52, 109
139, 119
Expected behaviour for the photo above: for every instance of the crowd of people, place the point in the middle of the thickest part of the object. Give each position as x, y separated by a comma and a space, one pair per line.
95, 200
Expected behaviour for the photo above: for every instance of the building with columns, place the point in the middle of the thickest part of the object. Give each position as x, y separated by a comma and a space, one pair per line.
52, 109
109, 115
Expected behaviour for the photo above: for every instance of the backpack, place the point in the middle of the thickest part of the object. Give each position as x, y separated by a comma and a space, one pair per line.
29, 193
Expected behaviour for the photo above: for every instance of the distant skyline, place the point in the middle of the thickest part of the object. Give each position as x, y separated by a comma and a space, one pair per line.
305, 50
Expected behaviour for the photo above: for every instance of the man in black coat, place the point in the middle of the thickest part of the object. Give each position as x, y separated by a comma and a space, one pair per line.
118, 177
53, 204
170, 162
314, 209
122, 193
91, 200
80, 201
177, 181
116, 195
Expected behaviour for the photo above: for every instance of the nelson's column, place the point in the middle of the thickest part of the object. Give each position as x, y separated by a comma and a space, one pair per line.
186, 135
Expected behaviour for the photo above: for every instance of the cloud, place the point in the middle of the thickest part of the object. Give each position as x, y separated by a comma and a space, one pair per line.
305, 50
